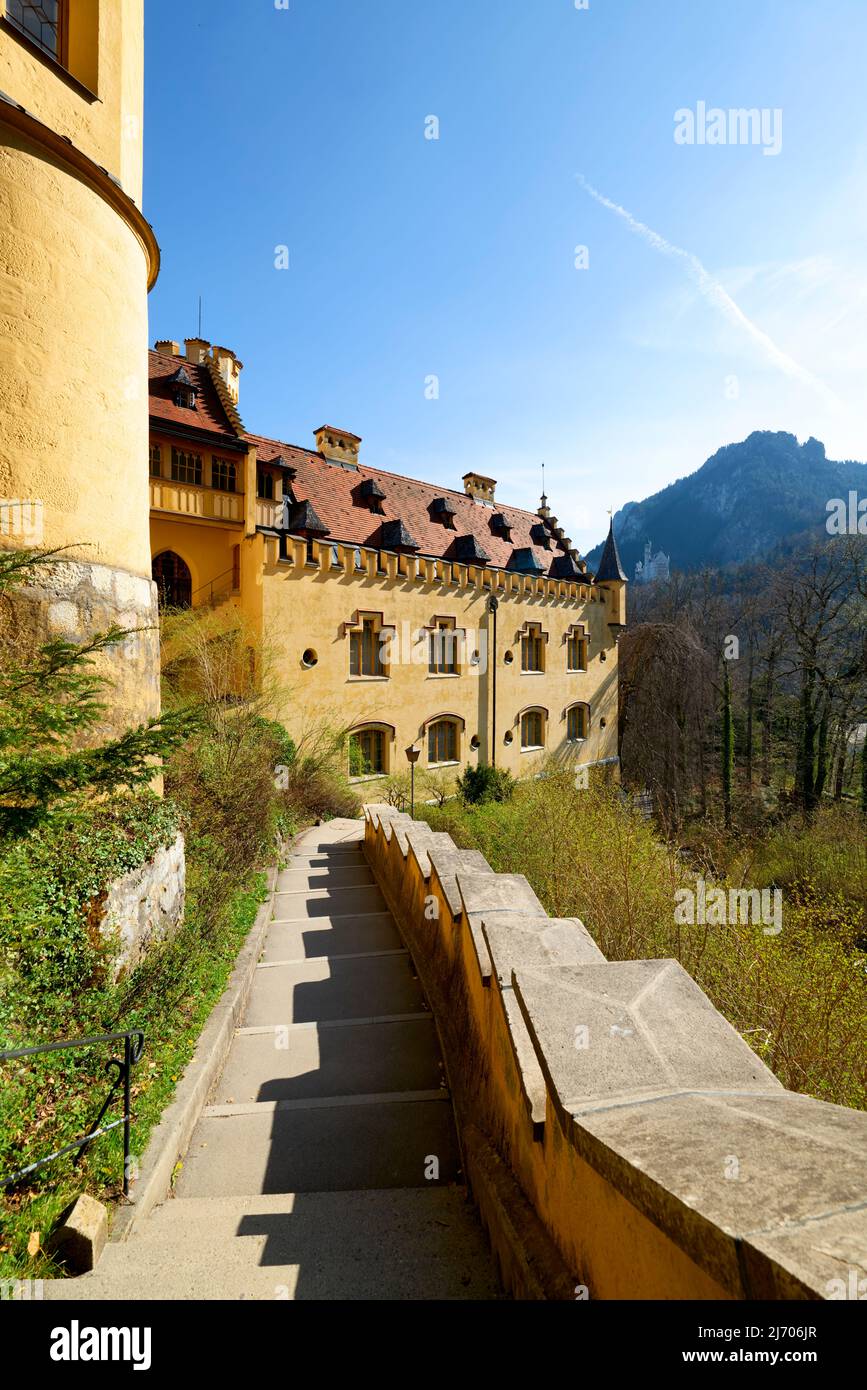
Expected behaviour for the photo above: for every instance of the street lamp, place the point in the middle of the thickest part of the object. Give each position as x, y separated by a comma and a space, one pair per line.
413, 755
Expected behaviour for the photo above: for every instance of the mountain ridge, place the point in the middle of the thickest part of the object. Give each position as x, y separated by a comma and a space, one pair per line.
741, 503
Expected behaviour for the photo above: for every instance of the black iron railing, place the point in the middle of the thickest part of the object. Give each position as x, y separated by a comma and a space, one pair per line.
133, 1046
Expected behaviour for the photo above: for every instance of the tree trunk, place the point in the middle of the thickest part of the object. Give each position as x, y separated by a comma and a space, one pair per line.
750, 720
728, 746
821, 756
805, 766
767, 717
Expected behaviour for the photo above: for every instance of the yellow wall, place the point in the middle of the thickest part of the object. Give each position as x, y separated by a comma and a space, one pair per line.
77, 259
205, 547
106, 54
291, 607
306, 606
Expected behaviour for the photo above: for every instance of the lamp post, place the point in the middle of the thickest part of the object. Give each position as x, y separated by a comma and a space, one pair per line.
413, 755
493, 605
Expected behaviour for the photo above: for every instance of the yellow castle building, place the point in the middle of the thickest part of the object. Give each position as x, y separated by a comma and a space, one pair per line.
76, 260
414, 615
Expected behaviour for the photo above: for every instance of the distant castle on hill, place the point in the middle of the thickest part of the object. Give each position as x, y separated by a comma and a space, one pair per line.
652, 567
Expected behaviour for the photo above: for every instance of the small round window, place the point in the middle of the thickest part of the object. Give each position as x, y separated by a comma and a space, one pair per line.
509, 658
475, 743
309, 659
509, 737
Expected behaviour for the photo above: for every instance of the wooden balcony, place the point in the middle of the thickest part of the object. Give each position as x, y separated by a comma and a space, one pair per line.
205, 503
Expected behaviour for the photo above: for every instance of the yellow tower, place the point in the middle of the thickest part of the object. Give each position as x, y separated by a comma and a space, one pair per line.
77, 258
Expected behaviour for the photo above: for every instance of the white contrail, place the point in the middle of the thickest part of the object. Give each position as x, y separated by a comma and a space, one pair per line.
716, 295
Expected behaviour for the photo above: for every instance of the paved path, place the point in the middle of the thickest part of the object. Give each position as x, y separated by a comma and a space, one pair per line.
308, 1175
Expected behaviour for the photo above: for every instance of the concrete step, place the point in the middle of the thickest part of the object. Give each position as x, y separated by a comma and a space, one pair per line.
356, 1060
373, 1143
317, 990
339, 859
323, 936
302, 880
329, 902
395, 1244
326, 839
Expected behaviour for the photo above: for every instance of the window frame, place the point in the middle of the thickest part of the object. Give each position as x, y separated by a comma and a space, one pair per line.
60, 55
535, 712
377, 737
577, 637
583, 707
382, 738
447, 661
447, 728
180, 463
534, 644
365, 650
227, 468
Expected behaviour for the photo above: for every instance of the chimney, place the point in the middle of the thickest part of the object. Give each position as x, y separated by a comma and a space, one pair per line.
338, 446
197, 349
230, 370
169, 346
480, 488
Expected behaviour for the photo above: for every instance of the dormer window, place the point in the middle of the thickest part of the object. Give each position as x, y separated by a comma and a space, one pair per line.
184, 393
372, 495
500, 526
443, 510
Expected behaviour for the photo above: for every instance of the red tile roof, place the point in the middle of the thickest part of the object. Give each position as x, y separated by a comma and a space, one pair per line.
334, 492
209, 414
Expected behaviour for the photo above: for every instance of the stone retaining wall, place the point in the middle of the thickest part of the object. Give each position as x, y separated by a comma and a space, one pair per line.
75, 599
653, 1152
145, 906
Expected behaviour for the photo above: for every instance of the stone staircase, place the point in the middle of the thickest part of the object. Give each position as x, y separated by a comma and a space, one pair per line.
326, 1164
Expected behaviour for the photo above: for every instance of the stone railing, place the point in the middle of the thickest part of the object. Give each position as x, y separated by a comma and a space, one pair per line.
621, 1139
190, 499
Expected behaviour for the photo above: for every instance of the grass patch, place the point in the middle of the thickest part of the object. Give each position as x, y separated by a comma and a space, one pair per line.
50, 1101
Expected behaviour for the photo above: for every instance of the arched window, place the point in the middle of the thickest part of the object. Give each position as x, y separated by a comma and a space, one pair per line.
533, 728
443, 741
368, 750
577, 723
173, 580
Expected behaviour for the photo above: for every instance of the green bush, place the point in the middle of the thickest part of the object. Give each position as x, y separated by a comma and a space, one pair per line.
484, 783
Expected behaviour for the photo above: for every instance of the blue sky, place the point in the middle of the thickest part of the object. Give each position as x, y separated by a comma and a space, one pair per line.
410, 258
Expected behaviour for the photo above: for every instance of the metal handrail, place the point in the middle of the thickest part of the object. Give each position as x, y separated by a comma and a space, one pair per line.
209, 584
133, 1046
